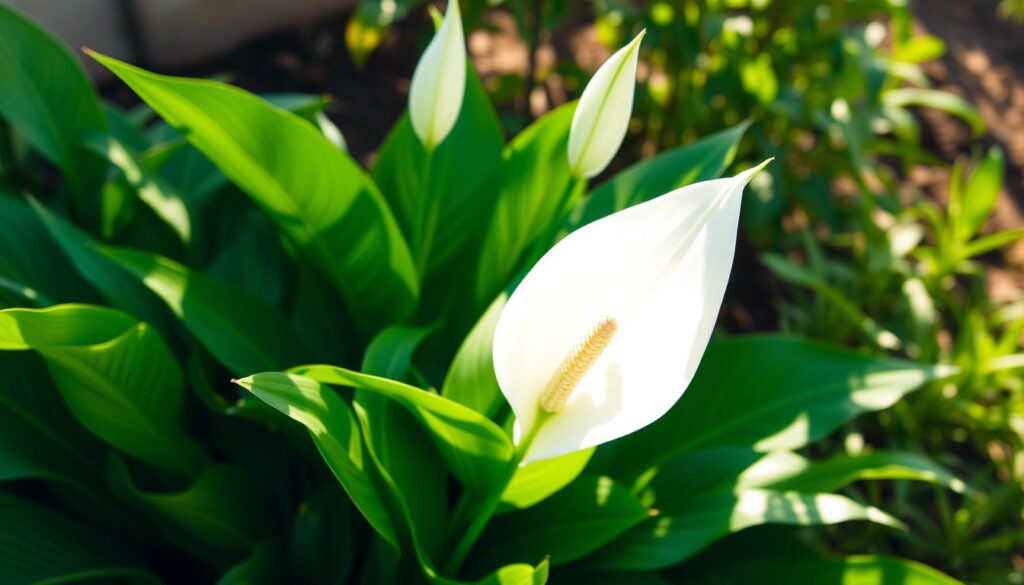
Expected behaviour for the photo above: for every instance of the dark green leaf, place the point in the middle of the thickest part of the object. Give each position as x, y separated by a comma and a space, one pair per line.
49, 99
38, 545
116, 375
315, 193
240, 330
770, 393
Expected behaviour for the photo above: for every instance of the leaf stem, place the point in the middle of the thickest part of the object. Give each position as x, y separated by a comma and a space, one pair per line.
427, 207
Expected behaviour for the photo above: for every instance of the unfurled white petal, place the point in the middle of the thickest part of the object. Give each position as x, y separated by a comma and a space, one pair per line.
439, 82
602, 115
659, 269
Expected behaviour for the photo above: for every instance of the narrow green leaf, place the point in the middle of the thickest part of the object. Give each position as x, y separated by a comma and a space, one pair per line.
239, 329
315, 193
477, 451
335, 432
115, 374
263, 567
939, 100
119, 287
979, 195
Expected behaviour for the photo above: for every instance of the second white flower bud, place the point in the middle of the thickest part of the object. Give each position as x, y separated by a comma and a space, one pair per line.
439, 82
603, 113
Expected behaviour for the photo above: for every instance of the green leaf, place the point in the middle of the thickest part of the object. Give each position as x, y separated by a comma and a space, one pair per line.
263, 567
979, 195
782, 394
842, 470
773, 557
458, 196
48, 98
39, 439
537, 480
471, 380
115, 374
119, 287
535, 186
29, 257
939, 100
335, 432
315, 193
38, 545
322, 539
666, 540
804, 276
150, 188
400, 446
579, 519
476, 450
240, 330
994, 241
703, 160
218, 516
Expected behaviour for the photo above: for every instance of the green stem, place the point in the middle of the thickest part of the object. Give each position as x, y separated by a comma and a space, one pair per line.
427, 207
490, 505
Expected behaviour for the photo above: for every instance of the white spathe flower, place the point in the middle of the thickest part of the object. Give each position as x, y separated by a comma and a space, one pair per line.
439, 82
604, 334
602, 115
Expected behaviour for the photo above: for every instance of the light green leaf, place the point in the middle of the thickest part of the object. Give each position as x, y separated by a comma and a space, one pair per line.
991, 242
315, 193
838, 472
666, 540
979, 195
537, 480
115, 374
783, 393
150, 188
335, 432
38, 545
242, 331
579, 519
476, 450
535, 188
470, 379
939, 100
48, 98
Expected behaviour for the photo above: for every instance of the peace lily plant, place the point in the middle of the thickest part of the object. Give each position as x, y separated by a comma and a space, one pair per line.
498, 316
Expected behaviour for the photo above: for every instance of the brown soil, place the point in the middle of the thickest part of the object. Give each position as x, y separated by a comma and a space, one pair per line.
985, 64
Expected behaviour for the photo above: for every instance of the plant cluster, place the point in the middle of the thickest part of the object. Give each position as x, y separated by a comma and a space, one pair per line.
508, 337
